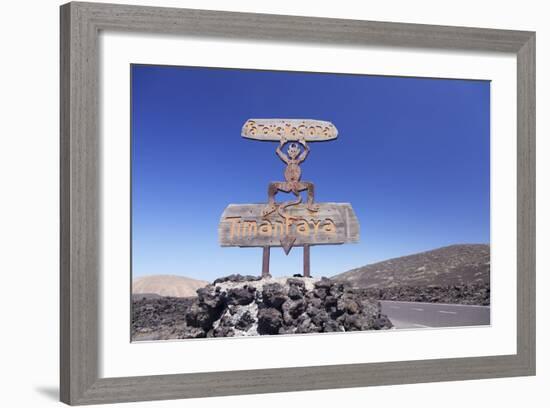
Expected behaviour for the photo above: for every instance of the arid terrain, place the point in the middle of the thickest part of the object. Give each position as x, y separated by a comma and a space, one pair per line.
453, 274
450, 265
170, 307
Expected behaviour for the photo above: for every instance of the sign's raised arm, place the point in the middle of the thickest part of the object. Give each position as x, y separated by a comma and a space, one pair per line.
305, 152
280, 153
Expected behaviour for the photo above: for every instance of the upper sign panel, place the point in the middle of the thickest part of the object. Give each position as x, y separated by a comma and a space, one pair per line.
309, 130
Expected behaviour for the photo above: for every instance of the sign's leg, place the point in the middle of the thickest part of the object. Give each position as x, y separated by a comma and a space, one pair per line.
265, 263
307, 273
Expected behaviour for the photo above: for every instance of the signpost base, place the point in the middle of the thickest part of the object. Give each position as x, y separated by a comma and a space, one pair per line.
265, 263
307, 273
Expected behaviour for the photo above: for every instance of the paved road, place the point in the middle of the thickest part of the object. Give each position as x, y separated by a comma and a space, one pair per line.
408, 315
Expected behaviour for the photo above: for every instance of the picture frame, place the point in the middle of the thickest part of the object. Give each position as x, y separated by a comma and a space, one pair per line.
81, 24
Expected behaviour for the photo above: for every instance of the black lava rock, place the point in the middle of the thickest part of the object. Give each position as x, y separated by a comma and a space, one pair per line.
273, 295
237, 278
241, 296
269, 321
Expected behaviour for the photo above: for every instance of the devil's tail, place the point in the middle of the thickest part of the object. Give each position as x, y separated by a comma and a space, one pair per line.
286, 204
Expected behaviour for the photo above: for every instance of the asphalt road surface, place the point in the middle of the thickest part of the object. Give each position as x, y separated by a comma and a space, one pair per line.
412, 315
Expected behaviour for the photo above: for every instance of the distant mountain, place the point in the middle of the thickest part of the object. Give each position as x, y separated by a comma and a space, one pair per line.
451, 265
167, 285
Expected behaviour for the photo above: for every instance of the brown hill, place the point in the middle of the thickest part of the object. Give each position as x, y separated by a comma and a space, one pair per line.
452, 265
167, 285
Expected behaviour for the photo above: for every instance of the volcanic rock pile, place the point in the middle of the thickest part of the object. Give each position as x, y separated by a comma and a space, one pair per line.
249, 306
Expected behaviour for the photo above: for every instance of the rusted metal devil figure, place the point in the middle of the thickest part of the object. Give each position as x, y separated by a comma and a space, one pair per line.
293, 158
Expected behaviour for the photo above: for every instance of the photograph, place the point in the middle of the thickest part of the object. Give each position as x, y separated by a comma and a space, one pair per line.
271, 202
275, 204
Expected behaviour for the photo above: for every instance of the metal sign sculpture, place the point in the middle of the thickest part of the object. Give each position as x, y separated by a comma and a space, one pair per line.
289, 223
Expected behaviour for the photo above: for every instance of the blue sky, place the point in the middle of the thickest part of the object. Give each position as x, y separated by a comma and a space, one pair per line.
412, 157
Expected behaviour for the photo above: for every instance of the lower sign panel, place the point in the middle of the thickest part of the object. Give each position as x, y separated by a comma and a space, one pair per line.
244, 225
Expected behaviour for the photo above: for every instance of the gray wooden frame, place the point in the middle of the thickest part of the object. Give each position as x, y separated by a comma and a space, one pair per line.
80, 158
